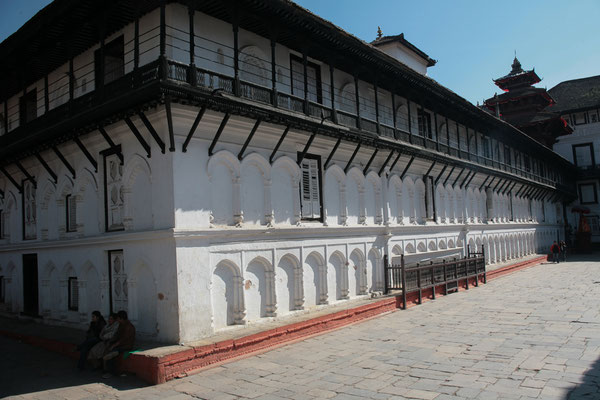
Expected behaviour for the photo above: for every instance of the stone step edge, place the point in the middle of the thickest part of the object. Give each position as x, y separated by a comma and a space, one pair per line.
156, 370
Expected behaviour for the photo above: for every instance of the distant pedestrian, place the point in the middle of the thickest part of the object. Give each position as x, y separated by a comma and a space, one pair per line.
563, 250
555, 250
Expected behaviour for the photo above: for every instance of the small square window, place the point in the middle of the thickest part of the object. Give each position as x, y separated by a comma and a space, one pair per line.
583, 155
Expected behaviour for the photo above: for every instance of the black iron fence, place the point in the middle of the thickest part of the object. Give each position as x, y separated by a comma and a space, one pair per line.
446, 274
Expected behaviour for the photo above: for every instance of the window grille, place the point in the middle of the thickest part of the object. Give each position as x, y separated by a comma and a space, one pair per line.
71, 212
73, 294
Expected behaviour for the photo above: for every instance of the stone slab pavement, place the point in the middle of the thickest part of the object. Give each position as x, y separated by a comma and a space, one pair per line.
534, 334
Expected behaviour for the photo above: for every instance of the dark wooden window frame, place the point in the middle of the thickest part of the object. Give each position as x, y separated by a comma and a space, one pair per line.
115, 46
68, 213
591, 146
71, 306
322, 217
593, 184
28, 99
309, 64
424, 124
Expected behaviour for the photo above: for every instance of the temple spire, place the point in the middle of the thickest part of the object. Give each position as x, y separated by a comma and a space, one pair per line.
379, 32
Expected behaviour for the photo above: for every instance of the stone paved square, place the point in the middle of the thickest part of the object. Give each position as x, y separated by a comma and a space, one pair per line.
528, 335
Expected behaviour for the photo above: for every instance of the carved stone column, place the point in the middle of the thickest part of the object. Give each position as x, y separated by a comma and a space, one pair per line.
238, 302
79, 215
63, 298
269, 214
62, 218
46, 296
343, 207
270, 309
238, 214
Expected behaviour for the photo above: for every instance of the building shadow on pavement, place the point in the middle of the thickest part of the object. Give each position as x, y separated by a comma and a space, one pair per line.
589, 388
34, 371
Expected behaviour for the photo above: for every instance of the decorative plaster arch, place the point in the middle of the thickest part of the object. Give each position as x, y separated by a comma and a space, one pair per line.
134, 166
259, 162
85, 178
338, 173
288, 164
356, 174
234, 312
226, 158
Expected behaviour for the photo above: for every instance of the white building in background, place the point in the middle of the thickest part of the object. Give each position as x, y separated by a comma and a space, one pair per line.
209, 166
578, 102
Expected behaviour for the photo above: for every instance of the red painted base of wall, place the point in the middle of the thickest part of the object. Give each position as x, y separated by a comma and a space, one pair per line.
156, 370
515, 267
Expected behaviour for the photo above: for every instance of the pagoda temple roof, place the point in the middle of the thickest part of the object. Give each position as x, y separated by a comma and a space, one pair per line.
576, 94
517, 77
518, 94
400, 39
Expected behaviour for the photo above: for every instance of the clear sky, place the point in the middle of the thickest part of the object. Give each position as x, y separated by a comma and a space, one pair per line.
473, 40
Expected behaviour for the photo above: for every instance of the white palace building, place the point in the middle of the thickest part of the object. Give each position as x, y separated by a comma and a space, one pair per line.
207, 164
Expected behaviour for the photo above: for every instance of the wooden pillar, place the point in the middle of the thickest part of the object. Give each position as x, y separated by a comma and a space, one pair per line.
437, 136
193, 77
236, 56
356, 95
136, 40
394, 116
410, 139
448, 134
46, 97
71, 76
332, 94
305, 76
458, 138
6, 112
273, 72
377, 107
476, 146
468, 143
164, 68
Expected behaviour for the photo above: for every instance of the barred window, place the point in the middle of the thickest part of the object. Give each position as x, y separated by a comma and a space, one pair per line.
73, 293
71, 213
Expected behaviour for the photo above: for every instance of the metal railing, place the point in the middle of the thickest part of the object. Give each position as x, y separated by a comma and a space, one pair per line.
445, 274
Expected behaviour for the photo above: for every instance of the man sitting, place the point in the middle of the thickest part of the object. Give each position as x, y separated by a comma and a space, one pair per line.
123, 341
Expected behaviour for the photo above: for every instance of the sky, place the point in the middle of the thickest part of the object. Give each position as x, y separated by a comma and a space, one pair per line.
474, 41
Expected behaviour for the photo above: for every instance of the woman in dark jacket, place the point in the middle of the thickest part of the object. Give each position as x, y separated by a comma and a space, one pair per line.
92, 337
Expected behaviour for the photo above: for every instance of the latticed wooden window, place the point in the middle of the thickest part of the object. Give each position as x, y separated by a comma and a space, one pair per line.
114, 192
310, 189
71, 212
118, 281
424, 120
73, 293
29, 211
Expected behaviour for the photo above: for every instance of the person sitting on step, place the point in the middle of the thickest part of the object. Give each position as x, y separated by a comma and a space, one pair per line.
123, 341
